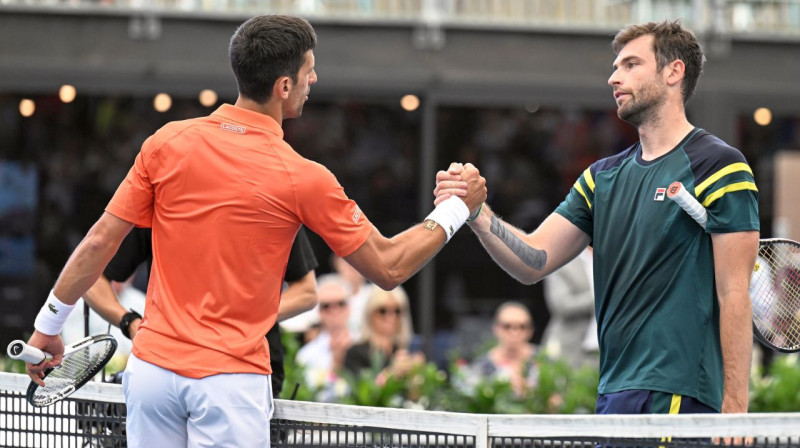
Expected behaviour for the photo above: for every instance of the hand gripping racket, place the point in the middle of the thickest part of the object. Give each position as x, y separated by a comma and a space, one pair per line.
774, 284
82, 360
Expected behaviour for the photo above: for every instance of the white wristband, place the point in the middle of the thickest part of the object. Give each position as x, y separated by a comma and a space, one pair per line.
52, 316
451, 214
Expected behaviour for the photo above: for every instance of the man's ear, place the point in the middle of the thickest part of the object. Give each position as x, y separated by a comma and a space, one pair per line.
282, 87
675, 72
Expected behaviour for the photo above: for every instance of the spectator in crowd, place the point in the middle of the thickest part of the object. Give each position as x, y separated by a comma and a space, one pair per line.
360, 291
385, 337
512, 358
323, 357
571, 332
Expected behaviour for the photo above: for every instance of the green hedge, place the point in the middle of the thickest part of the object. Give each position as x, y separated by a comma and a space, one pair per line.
560, 389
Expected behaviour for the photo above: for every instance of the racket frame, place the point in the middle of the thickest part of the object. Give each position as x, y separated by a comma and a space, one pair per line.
678, 193
31, 354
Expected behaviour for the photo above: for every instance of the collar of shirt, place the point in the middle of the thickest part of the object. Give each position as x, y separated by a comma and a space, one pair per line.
249, 118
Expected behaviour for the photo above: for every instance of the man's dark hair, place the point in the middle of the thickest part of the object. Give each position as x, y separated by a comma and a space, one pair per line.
671, 41
267, 47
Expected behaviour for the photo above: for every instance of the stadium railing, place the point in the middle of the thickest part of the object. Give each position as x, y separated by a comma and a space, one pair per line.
738, 17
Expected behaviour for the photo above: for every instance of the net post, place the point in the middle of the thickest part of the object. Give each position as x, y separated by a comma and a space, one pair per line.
482, 435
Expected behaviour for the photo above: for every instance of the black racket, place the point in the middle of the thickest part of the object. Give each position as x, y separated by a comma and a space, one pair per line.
81, 362
774, 284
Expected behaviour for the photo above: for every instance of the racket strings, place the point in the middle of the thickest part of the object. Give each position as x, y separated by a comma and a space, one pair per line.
775, 294
76, 368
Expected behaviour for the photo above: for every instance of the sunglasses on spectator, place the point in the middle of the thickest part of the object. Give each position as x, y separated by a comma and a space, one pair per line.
325, 306
386, 310
507, 326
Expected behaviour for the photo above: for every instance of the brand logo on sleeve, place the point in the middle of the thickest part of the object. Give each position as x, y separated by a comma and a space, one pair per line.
232, 128
356, 215
661, 193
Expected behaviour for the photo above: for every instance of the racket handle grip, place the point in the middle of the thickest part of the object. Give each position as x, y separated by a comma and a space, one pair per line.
28, 353
692, 206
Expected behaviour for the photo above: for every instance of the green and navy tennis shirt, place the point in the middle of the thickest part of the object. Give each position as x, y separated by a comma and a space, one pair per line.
656, 302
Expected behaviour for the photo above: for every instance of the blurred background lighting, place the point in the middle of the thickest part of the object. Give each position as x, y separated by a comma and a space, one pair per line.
762, 116
409, 102
208, 97
531, 108
67, 93
162, 102
27, 107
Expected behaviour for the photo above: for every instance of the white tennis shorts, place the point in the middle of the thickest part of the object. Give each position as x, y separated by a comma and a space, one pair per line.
169, 410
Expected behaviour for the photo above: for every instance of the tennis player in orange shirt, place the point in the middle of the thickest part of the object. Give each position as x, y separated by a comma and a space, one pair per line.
225, 196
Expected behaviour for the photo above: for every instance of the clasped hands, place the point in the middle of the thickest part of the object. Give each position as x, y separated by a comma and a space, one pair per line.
463, 181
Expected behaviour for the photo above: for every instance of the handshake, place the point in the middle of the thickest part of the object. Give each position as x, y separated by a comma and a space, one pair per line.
460, 185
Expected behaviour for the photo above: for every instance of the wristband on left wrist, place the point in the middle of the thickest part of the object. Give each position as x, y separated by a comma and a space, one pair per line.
52, 316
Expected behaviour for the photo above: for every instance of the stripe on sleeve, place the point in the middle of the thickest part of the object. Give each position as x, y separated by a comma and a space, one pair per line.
738, 186
587, 176
732, 168
578, 187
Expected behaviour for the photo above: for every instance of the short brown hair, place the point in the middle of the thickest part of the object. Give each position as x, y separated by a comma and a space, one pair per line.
267, 47
671, 41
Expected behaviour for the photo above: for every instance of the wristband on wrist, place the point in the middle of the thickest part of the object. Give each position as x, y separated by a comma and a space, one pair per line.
125, 322
52, 316
477, 213
451, 214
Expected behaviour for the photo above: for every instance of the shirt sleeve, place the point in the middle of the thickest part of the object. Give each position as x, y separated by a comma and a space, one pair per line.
728, 192
577, 206
327, 211
301, 258
133, 200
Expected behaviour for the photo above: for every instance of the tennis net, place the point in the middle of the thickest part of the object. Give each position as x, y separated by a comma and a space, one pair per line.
95, 417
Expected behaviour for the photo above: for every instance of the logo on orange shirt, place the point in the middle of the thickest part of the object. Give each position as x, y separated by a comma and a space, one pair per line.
232, 128
356, 215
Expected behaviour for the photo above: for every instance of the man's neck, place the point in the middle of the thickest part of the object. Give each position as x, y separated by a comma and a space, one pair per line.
663, 133
270, 108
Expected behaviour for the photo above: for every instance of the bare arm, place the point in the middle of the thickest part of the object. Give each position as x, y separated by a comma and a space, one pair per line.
101, 298
82, 270
526, 257
734, 258
87, 262
388, 262
529, 257
299, 297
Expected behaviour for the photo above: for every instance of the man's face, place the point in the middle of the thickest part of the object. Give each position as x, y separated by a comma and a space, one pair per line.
639, 88
298, 96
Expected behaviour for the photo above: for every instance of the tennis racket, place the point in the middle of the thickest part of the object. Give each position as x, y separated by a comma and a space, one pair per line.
774, 284
81, 362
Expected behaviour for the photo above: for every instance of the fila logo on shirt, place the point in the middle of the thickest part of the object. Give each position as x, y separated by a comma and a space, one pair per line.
232, 128
661, 193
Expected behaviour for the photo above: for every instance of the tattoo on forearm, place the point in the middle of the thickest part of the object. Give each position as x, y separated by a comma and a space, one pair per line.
534, 258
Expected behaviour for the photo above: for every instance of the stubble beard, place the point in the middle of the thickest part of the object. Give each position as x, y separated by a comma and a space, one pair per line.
641, 110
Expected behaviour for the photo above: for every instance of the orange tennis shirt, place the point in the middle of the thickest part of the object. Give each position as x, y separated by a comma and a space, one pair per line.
225, 196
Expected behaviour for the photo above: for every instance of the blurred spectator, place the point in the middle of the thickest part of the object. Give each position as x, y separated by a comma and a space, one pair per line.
512, 359
385, 337
571, 333
360, 292
324, 355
